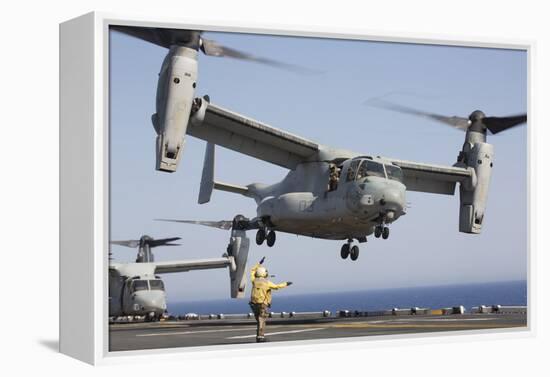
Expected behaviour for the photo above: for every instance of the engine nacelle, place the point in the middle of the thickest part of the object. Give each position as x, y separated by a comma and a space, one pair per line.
473, 195
175, 94
238, 249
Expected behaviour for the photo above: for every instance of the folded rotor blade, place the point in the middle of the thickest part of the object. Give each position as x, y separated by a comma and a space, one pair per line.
499, 124
127, 243
213, 48
453, 121
223, 224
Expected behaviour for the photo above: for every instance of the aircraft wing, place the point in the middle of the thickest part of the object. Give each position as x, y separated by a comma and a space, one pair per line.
429, 178
251, 137
189, 265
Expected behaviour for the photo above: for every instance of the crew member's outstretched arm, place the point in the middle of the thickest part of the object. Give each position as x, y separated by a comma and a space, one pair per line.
278, 286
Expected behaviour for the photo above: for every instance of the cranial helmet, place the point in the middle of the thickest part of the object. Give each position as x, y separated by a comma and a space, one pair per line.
261, 272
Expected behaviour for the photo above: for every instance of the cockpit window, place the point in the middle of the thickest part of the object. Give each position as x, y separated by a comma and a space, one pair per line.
156, 285
394, 172
370, 168
140, 285
350, 174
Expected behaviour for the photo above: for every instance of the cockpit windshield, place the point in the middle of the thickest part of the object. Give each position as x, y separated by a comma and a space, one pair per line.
140, 285
352, 170
156, 285
394, 172
370, 168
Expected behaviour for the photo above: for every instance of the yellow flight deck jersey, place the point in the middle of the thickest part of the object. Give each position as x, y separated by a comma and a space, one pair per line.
261, 288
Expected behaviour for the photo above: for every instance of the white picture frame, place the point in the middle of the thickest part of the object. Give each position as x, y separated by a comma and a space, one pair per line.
84, 185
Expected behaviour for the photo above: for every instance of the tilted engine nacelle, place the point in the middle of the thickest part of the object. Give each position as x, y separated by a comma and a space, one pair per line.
477, 155
238, 250
175, 93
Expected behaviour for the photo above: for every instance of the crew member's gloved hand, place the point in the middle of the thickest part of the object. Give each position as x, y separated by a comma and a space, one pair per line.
288, 283
262, 260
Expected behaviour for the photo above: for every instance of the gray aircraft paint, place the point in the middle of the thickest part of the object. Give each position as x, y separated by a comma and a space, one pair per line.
124, 299
301, 203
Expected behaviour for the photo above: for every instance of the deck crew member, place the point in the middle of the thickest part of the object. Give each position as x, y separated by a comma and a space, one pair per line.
260, 297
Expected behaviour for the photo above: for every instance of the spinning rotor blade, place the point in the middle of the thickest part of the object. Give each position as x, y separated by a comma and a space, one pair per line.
148, 241
223, 224
213, 48
493, 124
499, 124
162, 37
453, 121
164, 242
128, 243
192, 39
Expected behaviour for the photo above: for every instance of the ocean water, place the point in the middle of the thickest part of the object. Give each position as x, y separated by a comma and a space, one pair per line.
469, 295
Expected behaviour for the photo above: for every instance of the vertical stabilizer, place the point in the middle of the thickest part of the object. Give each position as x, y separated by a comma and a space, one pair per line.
207, 179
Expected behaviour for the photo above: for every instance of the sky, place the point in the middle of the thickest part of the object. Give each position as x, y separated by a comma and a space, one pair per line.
331, 108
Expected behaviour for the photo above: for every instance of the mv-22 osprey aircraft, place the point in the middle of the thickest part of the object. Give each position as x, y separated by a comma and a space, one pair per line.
329, 193
135, 289
338, 194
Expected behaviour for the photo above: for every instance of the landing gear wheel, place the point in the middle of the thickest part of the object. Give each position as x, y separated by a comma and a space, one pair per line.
385, 233
377, 231
271, 237
260, 236
344, 252
354, 252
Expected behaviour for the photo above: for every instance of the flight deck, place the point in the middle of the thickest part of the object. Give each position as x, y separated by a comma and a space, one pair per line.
224, 330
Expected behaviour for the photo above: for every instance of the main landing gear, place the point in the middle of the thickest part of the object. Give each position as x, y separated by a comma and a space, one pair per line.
264, 235
383, 231
348, 250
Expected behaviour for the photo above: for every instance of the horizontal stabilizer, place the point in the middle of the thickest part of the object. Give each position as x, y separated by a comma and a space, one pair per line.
207, 180
236, 189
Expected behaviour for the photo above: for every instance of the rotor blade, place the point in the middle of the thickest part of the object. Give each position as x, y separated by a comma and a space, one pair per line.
453, 121
161, 36
213, 48
164, 242
223, 224
498, 124
127, 243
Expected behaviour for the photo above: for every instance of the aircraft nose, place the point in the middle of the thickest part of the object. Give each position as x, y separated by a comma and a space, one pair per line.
151, 301
393, 202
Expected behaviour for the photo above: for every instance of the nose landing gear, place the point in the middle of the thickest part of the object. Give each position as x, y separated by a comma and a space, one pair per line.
383, 231
260, 236
263, 235
348, 250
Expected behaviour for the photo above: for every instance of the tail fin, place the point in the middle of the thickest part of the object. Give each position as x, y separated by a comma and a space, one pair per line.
207, 180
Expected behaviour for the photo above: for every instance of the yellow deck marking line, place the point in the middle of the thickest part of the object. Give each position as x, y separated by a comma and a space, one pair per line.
195, 332
422, 326
140, 326
276, 333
